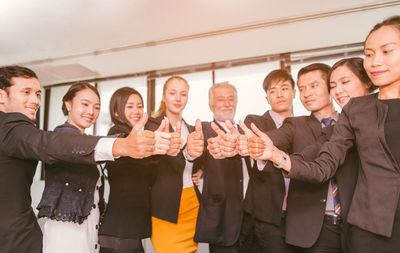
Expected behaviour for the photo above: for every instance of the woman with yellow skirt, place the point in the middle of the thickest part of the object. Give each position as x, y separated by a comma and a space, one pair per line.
174, 201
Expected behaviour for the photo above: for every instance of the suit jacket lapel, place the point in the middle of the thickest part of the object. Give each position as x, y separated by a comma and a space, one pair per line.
315, 126
268, 117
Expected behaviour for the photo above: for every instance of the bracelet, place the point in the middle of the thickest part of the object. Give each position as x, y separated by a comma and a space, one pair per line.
283, 161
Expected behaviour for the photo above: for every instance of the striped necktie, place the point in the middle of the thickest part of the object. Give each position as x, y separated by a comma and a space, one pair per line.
335, 192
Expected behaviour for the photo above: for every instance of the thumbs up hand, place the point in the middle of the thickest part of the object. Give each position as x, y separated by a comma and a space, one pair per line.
138, 144
260, 145
162, 138
243, 139
176, 141
195, 141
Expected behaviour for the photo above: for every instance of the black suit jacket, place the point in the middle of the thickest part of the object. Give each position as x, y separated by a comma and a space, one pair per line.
376, 195
21, 145
221, 204
167, 187
266, 190
306, 202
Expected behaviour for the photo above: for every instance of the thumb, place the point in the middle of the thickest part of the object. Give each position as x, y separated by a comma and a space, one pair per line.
166, 127
245, 129
217, 129
257, 131
231, 128
178, 127
161, 127
198, 128
141, 122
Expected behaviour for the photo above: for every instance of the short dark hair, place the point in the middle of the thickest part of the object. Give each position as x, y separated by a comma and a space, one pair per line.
117, 105
8, 72
276, 76
393, 21
71, 93
355, 64
323, 68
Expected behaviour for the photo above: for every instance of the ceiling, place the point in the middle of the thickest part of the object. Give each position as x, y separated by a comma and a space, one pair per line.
47, 30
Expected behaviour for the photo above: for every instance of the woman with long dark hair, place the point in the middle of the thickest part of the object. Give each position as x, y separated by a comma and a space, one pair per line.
127, 218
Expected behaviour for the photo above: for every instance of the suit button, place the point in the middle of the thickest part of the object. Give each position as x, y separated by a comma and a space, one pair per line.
94, 206
241, 180
323, 200
67, 184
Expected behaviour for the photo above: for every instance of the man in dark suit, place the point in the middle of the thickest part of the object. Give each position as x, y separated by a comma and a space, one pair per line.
266, 196
312, 225
22, 144
225, 180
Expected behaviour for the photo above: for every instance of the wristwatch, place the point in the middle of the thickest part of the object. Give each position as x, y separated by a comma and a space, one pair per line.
283, 161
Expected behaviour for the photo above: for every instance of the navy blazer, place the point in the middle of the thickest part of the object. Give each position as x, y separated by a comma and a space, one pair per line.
361, 124
21, 146
69, 188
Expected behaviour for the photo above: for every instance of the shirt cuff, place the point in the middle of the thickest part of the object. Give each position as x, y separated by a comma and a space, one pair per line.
103, 150
261, 164
187, 156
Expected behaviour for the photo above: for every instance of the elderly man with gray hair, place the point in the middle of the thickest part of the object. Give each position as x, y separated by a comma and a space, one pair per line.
225, 180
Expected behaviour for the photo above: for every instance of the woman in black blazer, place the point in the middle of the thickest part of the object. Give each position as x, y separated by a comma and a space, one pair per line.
127, 218
371, 124
174, 201
73, 193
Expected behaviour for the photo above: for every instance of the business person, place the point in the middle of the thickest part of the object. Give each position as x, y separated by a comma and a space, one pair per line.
127, 218
265, 201
369, 123
72, 199
22, 144
174, 201
225, 180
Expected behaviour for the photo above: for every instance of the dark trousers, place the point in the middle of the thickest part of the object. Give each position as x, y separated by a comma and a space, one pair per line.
270, 237
224, 249
362, 241
329, 241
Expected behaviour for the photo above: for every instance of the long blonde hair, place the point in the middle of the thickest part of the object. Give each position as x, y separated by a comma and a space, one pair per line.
161, 110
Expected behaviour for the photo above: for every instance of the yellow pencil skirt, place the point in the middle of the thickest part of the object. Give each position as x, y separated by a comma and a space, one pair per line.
177, 238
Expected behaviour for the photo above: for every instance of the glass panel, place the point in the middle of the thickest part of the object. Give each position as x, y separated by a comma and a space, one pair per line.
248, 81
106, 89
56, 116
197, 106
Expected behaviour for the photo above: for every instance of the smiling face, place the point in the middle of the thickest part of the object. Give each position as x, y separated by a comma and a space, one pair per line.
314, 94
175, 96
84, 109
382, 56
22, 96
223, 103
345, 85
133, 109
